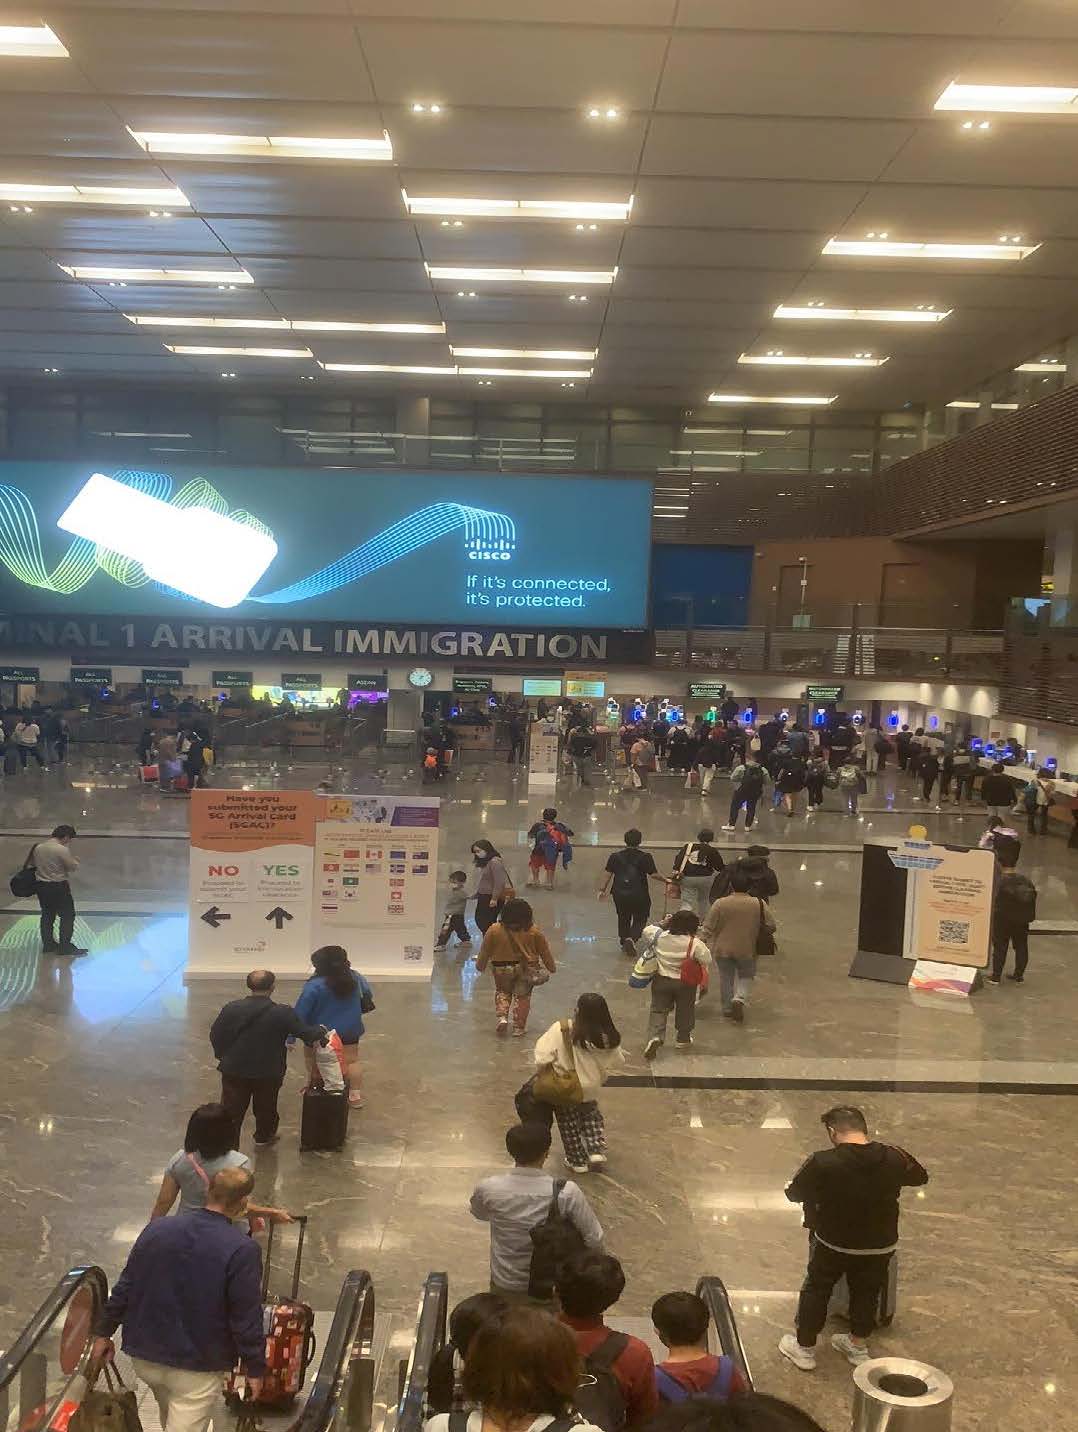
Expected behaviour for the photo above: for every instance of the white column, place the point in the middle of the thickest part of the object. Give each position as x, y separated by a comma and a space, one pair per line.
984, 410
1064, 561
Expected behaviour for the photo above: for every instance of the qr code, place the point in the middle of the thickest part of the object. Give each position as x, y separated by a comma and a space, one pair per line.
954, 932
413, 952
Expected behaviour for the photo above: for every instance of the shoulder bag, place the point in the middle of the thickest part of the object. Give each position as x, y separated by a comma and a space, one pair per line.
647, 964
692, 971
765, 937
557, 1086
534, 971
23, 883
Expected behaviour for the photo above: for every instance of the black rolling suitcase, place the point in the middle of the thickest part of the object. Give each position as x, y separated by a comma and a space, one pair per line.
323, 1124
839, 1303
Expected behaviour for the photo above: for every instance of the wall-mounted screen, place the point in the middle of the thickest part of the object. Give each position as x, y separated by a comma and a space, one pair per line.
289, 543
540, 686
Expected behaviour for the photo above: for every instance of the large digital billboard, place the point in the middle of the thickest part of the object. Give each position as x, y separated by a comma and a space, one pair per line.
366, 546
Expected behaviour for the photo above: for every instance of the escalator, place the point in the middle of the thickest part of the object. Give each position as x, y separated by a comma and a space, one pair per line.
432, 1321
43, 1375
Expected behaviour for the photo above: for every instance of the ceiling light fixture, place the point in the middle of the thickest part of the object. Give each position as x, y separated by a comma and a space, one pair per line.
173, 320
734, 432
419, 108
525, 372
977, 124
789, 401
479, 208
224, 278
585, 354
515, 275
1010, 249
31, 42
228, 375
862, 315
194, 350
50, 370
971, 405
578, 298
1010, 99
103, 195
461, 293
272, 146
603, 111
386, 368
1046, 365
791, 360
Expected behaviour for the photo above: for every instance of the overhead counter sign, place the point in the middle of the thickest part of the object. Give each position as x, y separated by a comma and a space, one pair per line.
824, 695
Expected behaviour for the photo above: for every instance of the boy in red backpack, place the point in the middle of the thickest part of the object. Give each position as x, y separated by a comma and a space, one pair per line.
550, 841
690, 1370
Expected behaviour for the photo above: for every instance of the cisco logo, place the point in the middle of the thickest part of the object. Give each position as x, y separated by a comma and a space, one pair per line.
489, 556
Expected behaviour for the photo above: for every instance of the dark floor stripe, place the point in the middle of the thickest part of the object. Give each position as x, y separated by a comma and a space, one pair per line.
885, 1086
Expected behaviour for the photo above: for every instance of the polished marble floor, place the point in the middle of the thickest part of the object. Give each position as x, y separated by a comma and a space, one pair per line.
104, 1061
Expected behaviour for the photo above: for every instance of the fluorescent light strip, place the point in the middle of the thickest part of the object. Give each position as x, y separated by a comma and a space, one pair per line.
864, 315
584, 354
714, 452
736, 432
385, 368
887, 249
108, 273
297, 325
515, 275
194, 350
142, 435
1041, 368
972, 406
524, 372
1010, 99
104, 195
31, 42
790, 401
273, 146
783, 360
521, 208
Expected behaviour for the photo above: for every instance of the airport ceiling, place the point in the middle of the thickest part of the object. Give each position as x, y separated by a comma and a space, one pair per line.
747, 134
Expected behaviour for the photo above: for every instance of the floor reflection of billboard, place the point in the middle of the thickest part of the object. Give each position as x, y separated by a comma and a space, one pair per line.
273, 543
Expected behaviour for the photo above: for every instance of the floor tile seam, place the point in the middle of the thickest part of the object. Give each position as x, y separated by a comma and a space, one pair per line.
860, 1084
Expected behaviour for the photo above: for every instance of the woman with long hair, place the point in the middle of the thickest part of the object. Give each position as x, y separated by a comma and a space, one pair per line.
519, 957
493, 887
588, 1046
207, 1148
338, 997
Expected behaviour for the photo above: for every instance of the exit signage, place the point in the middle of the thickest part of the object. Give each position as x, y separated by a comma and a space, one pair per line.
91, 675
301, 680
22, 675
824, 695
473, 685
232, 678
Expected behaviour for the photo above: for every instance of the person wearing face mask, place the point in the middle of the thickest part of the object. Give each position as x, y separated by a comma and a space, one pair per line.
493, 887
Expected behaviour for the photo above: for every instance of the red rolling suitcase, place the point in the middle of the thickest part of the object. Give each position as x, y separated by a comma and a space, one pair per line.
290, 1341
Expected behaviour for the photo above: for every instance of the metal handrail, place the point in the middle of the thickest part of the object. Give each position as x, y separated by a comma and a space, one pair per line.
347, 1365
430, 1334
713, 1291
17, 1359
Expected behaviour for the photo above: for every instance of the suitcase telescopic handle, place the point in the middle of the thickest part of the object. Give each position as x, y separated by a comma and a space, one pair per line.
300, 1219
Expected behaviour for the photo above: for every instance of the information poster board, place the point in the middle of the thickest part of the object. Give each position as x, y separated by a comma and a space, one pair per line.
376, 882
951, 915
250, 881
543, 754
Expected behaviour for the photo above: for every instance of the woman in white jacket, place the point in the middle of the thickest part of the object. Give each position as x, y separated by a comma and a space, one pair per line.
591, 1045
667, 949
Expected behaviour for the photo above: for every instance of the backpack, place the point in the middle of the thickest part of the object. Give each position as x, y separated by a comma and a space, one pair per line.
553, 842
847, 777
1029, 796
670, 1390
555, 1242
687, 865
752, 782
430, 763
599, 1396
627, 878
1016, 899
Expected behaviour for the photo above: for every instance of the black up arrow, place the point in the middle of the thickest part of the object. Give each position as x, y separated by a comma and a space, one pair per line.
278, 916
213, 916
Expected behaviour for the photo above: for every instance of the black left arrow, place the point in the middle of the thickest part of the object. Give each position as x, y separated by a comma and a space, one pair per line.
278, 916
213, 916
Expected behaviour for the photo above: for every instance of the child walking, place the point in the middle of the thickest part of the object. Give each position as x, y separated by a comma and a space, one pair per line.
453, 921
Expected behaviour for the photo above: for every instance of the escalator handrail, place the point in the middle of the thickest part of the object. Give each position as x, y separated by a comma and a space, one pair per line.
86, 1275
430, 1335
713, 1291
350, 1340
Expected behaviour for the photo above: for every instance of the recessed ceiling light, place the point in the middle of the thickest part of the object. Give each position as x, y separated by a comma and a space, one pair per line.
486, 383
1010, 99
732, 432
480, 208
603, 111
886, 248
175, 320
521, 275
31, 42
228, 375
862, 315
585, 354
306, 377
316, 325
525, 372
275, 146
226, 278
50, 370
586, 228
792, 360
979, 125
102, 195
385, 368
452, 223
578, 298
748, 400
461, 293
212, 351
1046, 365
426, 108
970, 405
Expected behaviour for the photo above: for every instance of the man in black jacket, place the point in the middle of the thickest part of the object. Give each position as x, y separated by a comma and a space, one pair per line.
849, 1193
249, 1041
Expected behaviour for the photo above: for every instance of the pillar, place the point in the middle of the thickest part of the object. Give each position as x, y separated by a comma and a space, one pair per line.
404, 710
1064, 561
1070, 357
984, 408
413, 420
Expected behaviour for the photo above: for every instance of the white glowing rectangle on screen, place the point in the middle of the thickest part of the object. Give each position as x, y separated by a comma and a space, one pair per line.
201, 553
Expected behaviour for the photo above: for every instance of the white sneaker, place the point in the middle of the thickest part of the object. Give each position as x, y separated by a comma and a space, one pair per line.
685, 1043
853, 1352
651, 1048
576, 1168
802, 1357
729, 827
597, 1161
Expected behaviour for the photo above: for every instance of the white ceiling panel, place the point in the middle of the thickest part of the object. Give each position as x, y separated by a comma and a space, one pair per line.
69, 127
1012, 156
733, 147
339, 275
525, 244
720, 248
20, 293
543, 143
64, 229
314, 190
554, 12
321, 238
917, 17
746, 203
324, 305
707, 284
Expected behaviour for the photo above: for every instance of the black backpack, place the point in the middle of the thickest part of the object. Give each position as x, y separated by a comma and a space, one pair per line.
555, 1242
599, 1396
1016, 899
628, 879
752, 782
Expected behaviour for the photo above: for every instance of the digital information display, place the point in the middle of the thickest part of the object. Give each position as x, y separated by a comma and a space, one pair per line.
540, 686
266, 543
707, 690
473, 685
824, 695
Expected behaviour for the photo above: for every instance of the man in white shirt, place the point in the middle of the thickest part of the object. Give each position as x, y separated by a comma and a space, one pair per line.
515, 1202
53, 863
27, 737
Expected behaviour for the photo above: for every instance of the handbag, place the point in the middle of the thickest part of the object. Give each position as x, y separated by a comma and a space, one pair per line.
23, 883
557, 1086
765, 937
692, 971
647, 965
534, 971
112, 1409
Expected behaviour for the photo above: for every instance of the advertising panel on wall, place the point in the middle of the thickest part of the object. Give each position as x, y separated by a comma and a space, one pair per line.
419, 548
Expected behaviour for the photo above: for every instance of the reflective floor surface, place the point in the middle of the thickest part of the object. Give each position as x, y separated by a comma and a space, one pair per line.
105, 1059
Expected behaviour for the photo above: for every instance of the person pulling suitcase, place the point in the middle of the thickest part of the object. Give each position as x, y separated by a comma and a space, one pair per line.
289, 1325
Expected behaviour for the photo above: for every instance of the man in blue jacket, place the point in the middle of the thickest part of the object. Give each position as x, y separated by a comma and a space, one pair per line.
190, 1302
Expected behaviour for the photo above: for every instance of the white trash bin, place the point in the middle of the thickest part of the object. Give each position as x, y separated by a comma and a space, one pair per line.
899, 1394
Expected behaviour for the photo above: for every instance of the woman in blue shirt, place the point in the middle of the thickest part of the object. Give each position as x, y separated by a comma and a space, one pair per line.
338, 997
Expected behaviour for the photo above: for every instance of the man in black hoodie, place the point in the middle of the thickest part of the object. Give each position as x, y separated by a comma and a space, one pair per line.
849, 1193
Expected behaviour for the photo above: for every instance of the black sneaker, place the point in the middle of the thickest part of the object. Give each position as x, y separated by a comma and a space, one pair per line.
73, 952
629, 948
50, 949
1018, 979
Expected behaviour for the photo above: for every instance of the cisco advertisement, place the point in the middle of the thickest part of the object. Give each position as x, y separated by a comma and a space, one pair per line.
294, 543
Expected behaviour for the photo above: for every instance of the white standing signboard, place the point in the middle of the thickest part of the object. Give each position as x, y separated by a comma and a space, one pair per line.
543, 754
